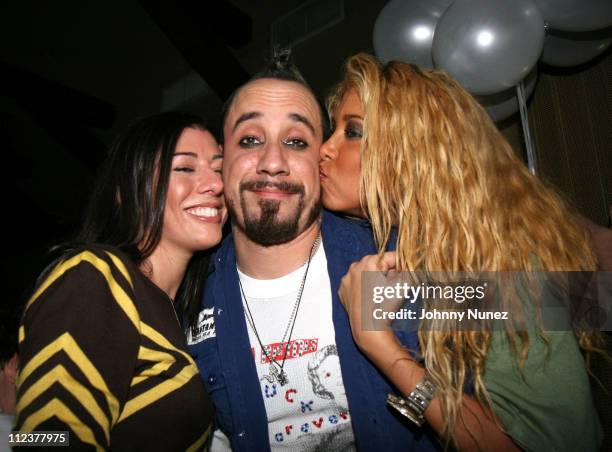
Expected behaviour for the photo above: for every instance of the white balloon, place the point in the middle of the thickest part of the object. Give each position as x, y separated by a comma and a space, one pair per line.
576, 15
489, 46
502, 105
571, 49
404, 30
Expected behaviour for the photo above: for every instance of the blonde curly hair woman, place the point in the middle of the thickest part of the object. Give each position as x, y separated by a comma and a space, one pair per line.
411, 150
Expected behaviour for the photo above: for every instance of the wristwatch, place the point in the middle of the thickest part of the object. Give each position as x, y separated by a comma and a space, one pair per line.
416, 403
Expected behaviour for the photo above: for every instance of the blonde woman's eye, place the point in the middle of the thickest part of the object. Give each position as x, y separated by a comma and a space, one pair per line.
249, 141
353, 132
296, 143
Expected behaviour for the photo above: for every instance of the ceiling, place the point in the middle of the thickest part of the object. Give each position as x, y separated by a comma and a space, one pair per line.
75, 73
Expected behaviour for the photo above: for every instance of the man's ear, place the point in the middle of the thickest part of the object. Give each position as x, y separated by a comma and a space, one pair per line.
10, 368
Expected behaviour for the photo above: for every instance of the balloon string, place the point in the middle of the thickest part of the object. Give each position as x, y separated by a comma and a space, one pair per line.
522, 101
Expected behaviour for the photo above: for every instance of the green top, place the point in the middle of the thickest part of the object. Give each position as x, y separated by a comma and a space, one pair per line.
549, 407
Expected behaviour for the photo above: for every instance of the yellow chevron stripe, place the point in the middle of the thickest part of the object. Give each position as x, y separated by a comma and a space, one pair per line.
60, 375
67, 344
21, 334
57, 408
122, 298
162, 361
161, 390
160, 340
121, 267
58, 271
200, 442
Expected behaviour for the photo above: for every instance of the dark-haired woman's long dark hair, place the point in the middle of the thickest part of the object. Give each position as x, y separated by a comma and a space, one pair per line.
126, 209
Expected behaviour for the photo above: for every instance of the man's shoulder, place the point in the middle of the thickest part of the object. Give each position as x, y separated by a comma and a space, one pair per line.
336, 223
224, 250
348, 234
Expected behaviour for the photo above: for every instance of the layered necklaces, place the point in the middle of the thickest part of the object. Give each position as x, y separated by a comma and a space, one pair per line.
277, 371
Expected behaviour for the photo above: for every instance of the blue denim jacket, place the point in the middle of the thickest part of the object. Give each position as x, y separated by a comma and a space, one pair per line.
227, 367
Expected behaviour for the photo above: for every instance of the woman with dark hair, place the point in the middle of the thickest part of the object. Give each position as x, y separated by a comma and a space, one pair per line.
416, 155
102, 351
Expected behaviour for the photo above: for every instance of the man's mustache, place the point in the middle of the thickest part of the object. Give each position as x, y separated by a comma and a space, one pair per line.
286, 187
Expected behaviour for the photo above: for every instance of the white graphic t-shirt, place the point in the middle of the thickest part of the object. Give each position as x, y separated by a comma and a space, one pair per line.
310, 411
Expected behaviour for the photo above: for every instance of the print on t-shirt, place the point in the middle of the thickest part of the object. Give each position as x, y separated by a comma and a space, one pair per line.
310, 411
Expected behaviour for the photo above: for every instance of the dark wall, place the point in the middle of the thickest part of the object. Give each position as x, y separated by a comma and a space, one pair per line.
571, 122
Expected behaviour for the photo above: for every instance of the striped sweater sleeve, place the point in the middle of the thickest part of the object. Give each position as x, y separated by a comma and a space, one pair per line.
79, 343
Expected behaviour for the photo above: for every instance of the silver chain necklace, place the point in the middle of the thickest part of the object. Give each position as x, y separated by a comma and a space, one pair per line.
277, 370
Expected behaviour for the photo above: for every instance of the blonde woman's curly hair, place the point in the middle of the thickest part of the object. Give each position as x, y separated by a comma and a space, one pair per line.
435, 165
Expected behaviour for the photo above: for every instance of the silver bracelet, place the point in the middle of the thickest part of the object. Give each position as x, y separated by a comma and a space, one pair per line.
416, 403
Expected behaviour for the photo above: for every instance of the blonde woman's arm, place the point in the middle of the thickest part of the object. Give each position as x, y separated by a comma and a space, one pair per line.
480, 430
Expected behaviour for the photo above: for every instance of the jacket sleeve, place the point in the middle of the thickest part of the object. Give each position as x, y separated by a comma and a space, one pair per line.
79, 342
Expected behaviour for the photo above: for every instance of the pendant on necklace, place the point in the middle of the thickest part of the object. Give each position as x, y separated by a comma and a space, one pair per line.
282, 378
279, 374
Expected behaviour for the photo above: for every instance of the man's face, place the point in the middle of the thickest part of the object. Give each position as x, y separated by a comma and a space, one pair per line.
271, 160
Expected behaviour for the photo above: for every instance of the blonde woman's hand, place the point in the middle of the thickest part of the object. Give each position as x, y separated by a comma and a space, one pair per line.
380, 345
386, 352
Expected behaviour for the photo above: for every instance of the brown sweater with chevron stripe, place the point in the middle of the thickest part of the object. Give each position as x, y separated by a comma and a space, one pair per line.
102, 355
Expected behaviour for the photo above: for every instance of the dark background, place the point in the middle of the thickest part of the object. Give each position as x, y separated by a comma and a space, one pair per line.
74, 73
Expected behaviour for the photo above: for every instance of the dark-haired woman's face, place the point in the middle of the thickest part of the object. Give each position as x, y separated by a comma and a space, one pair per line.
195, 210
341, 159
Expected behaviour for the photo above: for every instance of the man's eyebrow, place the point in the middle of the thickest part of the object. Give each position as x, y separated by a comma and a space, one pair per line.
245, 117
217, 156
304, 120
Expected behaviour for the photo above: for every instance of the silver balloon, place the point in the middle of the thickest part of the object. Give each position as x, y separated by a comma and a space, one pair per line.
489, 46
502, 105
576, 15
404, 30
571, 49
